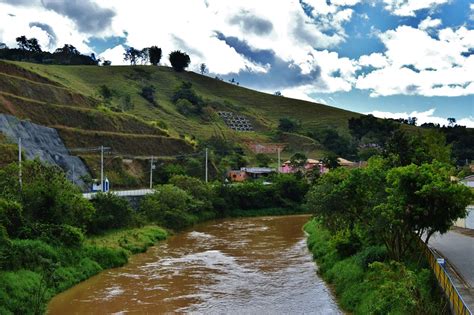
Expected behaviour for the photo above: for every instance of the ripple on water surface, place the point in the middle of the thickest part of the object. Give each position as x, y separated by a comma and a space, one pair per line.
238, 266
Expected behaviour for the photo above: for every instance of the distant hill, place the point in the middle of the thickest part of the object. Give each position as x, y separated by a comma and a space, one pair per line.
93, 105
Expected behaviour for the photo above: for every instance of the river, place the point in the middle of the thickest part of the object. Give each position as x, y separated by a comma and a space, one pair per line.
232, 266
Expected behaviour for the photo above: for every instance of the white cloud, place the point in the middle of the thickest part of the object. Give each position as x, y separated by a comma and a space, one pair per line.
424, 117
301, 92
19, 24
115, 55
429, 23
409, 7
376, 60
415, 63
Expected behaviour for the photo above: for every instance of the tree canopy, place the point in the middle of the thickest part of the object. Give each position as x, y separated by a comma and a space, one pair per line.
154, 53
179, 60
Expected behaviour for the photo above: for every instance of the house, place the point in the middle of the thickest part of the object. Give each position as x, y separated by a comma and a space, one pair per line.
468, 181
468, 221
237, 176
249, 172
310, 164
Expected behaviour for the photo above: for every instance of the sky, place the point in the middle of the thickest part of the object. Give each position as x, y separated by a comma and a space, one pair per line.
390, 58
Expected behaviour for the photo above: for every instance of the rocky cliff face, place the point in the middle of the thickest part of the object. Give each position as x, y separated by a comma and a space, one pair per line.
45, 144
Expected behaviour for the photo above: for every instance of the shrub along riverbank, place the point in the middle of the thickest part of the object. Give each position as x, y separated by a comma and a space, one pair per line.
52, 238
368, 282
367, 227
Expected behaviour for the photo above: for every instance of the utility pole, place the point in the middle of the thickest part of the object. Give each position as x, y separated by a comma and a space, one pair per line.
279, 162
151, 172
102, 168
206, 165
19, 164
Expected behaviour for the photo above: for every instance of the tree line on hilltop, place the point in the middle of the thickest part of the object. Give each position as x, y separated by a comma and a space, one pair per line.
30, 50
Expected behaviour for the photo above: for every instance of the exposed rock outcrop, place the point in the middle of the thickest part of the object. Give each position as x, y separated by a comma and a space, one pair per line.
45, 144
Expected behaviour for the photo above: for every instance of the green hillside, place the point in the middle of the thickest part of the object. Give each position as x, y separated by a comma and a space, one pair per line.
72, 100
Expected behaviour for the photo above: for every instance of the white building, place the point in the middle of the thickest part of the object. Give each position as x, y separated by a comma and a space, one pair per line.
468, 181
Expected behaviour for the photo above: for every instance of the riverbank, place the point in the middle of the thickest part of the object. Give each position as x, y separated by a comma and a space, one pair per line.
367, 282
235, 266
43, 270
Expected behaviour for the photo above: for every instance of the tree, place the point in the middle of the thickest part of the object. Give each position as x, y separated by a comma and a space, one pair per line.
422, 200
154, 53
3, 46
277, 93
132, 55
106, 63
179, 60
112, 212
28, 44
67, 50
451, 121
331, 161
47, 196
263, 160
287, 124
298, 161
148, 93
144, 56
412, 121
203, 68
169, 205
418, 148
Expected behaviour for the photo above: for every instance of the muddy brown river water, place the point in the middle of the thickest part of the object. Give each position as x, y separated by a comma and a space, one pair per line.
233, 266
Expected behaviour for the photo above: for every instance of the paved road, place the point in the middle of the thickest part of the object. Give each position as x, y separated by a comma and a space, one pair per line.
458, 249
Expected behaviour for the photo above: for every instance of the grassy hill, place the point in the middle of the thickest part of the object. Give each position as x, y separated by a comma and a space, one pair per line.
69, 99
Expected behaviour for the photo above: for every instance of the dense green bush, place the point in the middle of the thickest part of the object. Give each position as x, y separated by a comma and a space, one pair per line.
11, 216
366, 283
170, 206
202, 192
111, 212
55, 234
286, 191
46, 195
186, 92
31, 254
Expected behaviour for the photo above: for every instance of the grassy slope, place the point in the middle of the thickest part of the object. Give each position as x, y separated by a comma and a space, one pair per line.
264, 109
67, 98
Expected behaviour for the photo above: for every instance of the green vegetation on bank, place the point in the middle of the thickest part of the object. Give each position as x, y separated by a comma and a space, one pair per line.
366, 281
369, 222
52, 238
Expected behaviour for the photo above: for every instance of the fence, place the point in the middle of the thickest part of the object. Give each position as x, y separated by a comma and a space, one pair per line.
458, 305
123, 193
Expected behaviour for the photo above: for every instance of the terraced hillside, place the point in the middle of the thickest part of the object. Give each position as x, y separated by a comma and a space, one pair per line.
71, 99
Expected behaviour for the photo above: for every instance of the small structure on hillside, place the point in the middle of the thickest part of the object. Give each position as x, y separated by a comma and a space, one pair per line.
236, 122
246, 173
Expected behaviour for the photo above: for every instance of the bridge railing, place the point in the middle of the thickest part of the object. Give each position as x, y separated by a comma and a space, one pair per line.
122, 193
458, 305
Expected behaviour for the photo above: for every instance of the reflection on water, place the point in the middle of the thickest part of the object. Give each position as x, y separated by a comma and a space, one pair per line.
234, 266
